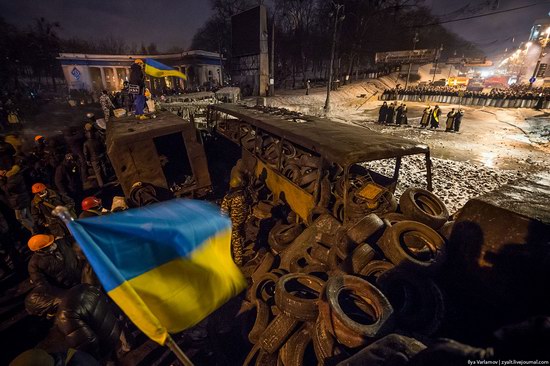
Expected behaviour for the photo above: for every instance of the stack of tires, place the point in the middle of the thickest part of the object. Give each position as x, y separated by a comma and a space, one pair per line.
322, 295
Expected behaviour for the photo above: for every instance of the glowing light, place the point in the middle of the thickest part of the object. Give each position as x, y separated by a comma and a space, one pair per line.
528, 44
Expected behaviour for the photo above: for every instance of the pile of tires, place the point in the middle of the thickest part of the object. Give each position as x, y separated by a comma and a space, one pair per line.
337, 292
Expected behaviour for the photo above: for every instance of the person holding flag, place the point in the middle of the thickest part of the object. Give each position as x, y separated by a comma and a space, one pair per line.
167, 265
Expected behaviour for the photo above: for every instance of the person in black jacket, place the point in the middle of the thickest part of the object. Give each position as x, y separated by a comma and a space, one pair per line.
44, 201
12, 182
383, 112
53, 263
137, 77
84, 315
74, 138
94, 152
68, 179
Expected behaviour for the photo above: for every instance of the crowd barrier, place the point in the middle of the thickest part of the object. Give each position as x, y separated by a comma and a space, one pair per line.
468, 101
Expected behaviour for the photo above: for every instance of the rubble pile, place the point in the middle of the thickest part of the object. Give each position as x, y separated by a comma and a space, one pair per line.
323, 293
453, 181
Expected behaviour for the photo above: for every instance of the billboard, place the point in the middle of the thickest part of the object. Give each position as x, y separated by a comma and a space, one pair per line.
414, 56
246, 30
467, 61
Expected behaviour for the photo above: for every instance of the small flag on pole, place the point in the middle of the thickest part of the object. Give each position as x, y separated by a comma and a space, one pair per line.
167, 266
160, 70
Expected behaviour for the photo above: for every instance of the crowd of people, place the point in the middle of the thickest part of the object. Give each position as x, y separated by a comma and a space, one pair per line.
71, 169
395, 114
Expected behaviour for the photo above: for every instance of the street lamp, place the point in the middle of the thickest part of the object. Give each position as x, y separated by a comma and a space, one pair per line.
336, 20
543, 45
415, 41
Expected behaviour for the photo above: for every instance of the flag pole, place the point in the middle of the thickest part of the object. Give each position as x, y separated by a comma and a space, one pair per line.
173, 346
63, 213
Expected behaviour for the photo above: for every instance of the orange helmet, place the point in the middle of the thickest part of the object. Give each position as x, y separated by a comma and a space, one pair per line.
40, 241
138, 61
90, 202
38, 187
38, 137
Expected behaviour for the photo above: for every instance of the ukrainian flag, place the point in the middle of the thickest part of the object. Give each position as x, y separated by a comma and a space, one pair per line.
159, 70
167, 266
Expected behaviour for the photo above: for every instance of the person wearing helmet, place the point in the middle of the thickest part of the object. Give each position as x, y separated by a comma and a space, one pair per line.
44, 201
12, 182
53, 263
236, 204
137, 78
92, 206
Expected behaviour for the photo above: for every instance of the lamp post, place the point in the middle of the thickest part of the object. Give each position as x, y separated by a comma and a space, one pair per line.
543, 45
415, 41
329, 84
437, 55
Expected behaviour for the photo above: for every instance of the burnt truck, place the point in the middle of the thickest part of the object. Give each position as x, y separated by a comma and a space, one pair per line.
312, 165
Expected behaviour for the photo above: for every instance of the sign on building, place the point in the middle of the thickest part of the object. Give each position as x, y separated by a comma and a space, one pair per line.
76, 73
414, 56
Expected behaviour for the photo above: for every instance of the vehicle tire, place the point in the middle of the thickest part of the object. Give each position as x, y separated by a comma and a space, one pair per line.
446, 230
359, 311
374, 269
413, 245
365, 228
327, 350
318, 270
263, 267
263, 316
258, 357
281, 235
293, 353
361, 257
394, 217
338, 210
423, 206
320, 253
296, 294
264, 288
277, 332
418, 302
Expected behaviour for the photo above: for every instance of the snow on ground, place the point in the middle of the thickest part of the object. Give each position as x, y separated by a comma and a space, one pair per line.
455, 183
495, 145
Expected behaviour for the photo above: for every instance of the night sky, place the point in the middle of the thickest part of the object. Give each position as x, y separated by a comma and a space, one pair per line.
173, 22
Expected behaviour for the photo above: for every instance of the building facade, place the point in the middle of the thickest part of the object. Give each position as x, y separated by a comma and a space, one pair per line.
98, 72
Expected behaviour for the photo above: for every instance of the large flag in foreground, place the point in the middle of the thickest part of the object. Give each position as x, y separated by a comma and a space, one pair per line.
167, 266
160, 70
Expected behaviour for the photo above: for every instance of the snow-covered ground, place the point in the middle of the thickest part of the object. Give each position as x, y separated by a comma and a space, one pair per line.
495, 145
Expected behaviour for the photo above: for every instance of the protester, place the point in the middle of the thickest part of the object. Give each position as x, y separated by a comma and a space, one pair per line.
308, 86
143, 194
126, 98
91, 207
68, 178
137, 78
94, 153
390, 116
425, 120
44, 201
86, 318
53, 262
458, 120
106, 105
434, 121
383, 112
74, 137
12, 182
449, 125
236, 204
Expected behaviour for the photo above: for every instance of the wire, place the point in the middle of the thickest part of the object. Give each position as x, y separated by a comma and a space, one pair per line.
480, 16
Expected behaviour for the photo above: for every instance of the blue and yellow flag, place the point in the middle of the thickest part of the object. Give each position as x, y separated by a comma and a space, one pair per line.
160, 70
167, 266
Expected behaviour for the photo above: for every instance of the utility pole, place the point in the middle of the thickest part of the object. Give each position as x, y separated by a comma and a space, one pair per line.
437, 55
543, 45
329, 84
272, 66
415, 40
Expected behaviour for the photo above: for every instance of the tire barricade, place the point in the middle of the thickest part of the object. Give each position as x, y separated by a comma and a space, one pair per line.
467, 101
326, 295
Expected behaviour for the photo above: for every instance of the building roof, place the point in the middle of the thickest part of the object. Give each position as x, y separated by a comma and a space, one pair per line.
91, 59
340, 143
